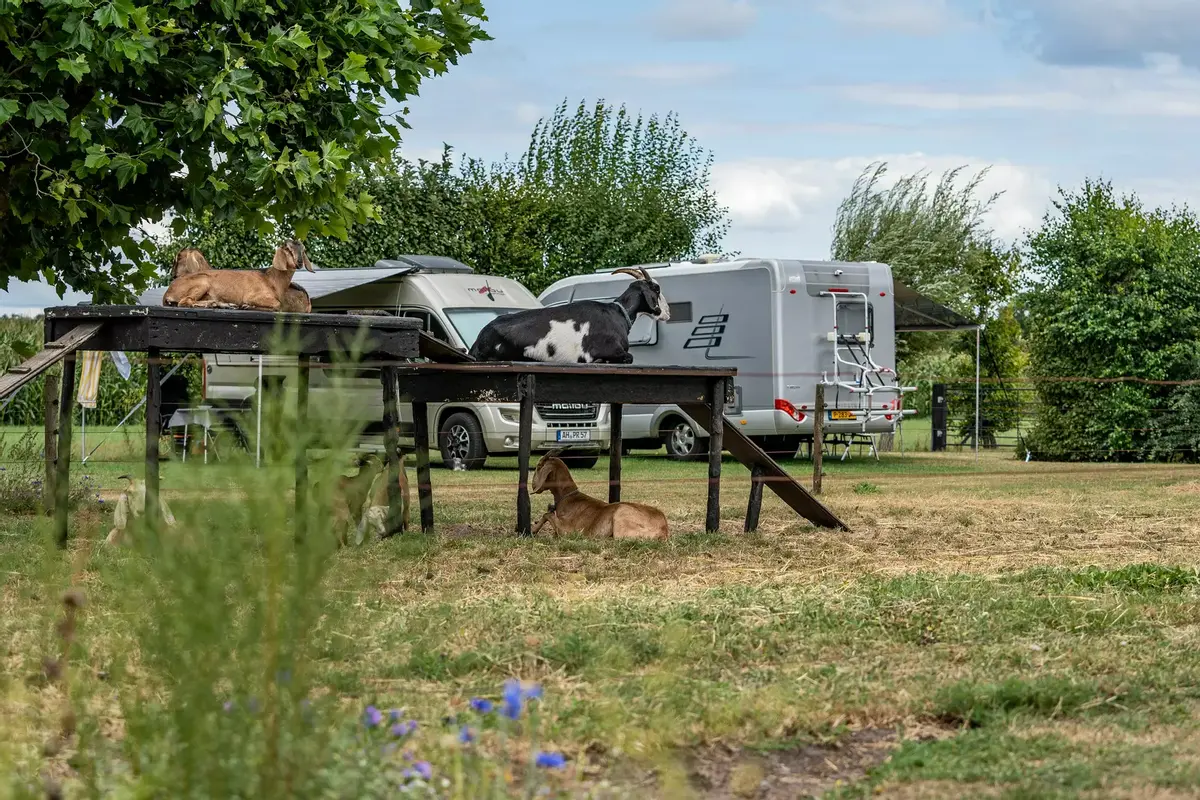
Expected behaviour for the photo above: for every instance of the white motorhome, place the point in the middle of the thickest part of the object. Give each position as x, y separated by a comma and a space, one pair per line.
786, 325
453, 303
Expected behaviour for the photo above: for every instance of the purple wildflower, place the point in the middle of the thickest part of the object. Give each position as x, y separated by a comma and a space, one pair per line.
396, 714
421, 769
465, 735
550, 760
227, 705
512, 698
372, 717
482, 705
401, 729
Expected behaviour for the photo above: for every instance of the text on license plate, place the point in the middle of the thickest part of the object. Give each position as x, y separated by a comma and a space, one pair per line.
841, 415
574, 436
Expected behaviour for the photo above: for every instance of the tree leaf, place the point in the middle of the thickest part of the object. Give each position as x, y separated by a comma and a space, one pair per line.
76, 67
8, 109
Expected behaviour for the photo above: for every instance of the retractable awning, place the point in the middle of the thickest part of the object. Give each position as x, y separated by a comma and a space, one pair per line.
916, 312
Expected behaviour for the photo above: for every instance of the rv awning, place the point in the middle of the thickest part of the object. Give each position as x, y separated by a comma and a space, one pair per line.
916, 312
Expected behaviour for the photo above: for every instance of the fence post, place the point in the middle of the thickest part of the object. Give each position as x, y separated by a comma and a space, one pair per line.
937, 440
50, 389
818, 445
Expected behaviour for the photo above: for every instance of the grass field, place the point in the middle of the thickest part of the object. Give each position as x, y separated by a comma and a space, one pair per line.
992, 629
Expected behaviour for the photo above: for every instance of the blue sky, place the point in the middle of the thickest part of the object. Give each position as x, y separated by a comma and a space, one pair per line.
795, 97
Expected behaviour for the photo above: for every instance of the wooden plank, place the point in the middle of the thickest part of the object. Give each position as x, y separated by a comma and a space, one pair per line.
50, 354
614, 454
524, 445
62, 465
424, 479
436, 350
153, 433
716, 448
391, 443
774, 476
590, 370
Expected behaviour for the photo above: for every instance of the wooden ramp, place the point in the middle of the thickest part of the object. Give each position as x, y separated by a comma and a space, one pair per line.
436, 350
765, 469
51, 354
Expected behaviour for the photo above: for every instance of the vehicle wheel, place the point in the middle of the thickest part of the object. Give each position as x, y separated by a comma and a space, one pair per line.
460, 437
584, 459
682, 442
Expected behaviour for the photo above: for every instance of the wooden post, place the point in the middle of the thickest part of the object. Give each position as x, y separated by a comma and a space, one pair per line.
716, 407
818, 444
50, 424
391, 447
153, 430
424, 478
614, 454
525, 391
62, 456
754, 506
303, 365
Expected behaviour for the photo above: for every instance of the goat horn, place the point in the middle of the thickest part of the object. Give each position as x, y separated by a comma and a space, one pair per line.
637, 275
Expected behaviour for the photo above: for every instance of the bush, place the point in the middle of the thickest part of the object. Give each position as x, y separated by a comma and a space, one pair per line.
1118, 298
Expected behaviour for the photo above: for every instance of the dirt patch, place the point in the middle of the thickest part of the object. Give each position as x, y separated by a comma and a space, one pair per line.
721, 773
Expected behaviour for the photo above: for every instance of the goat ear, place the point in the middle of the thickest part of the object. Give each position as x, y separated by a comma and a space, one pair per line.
556, 453
539, 480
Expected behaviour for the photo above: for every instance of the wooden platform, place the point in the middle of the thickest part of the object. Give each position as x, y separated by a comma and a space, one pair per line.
154, 330
701, 392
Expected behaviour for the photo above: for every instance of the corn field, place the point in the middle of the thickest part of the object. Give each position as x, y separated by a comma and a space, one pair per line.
20, 336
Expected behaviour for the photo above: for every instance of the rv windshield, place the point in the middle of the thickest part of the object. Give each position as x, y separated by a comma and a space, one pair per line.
470, 321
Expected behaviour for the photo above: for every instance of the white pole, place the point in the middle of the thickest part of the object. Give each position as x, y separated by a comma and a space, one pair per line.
258, 424
977, 330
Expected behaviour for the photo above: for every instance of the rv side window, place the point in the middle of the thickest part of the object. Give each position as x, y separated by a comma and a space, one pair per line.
643, 332
429, 323
680, 312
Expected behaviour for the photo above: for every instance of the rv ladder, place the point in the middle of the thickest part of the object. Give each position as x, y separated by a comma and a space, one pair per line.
50, 354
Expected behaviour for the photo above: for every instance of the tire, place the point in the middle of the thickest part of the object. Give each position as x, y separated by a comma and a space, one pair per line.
461, 436
681, 440
585, 459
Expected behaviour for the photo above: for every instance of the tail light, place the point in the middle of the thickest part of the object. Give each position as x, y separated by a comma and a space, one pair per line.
790, 410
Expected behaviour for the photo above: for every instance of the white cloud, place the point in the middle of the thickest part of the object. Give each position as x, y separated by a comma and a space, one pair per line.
907, 17
677, 73
528, 113
704, 20
792, 203
1102, 32
1162, 90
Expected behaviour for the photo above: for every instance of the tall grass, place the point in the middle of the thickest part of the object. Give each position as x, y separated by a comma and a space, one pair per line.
210, 665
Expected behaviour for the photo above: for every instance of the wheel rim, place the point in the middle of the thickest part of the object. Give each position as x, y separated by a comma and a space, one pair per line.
458, 442
683, 439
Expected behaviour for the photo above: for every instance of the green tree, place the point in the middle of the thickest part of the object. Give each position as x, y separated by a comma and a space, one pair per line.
1116, 298
937, 241
115, 112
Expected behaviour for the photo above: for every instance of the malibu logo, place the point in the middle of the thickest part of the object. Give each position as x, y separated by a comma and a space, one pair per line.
569, 406
485, 290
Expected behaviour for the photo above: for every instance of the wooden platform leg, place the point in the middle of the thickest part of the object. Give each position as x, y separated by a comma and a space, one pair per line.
391, 446
302, 376
153, 429
62, 466
716, 406
614, 455
754, 506
424, 478
525, 392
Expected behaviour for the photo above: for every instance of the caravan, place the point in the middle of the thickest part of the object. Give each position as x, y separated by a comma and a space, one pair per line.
786, 325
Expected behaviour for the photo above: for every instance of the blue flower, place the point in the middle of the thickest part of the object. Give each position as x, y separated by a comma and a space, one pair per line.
404, 728
482, 705
515, 695
534, 692
465, 735
550, 760
372, 717
421, 769
396, 714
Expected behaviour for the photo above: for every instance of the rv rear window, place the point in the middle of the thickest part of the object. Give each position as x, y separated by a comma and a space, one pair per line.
680, 312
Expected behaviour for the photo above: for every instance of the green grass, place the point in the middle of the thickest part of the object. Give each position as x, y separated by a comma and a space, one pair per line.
1026, 630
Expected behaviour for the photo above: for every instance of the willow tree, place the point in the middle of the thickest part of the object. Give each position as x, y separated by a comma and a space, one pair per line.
116, 113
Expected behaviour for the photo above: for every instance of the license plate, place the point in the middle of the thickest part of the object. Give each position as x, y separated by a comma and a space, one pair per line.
841, 415
574, 436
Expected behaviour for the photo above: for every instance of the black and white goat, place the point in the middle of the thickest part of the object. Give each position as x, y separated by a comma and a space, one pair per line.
581, 332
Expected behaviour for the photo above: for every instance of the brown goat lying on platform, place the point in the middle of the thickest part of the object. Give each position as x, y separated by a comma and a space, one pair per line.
362, 499
190, 260
240, 288
574, 511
